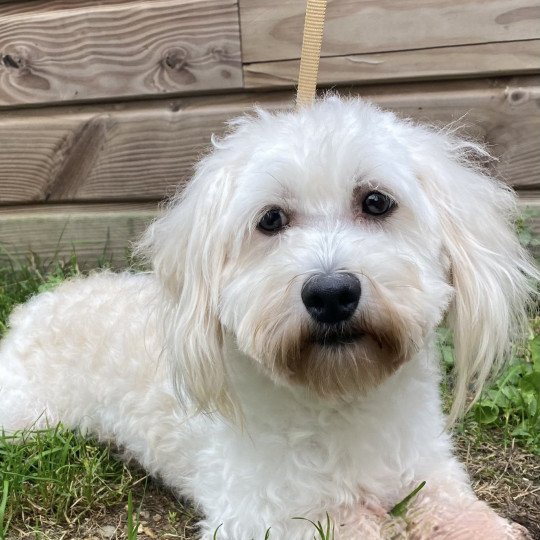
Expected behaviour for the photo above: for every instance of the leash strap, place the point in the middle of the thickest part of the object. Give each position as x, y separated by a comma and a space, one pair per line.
311, 51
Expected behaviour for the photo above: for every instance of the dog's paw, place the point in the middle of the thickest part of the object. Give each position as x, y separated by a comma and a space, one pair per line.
473, 521
519, 532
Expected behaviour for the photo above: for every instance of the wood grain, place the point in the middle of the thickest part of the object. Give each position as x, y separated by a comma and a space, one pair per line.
11, 7
273, 30
66, 51
120, 151
487, 59
140, 151
91, 232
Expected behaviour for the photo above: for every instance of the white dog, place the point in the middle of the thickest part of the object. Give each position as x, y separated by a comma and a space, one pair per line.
298, 282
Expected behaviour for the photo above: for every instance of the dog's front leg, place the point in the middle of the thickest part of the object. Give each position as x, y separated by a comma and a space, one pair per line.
441, 514
433, 519
445, 509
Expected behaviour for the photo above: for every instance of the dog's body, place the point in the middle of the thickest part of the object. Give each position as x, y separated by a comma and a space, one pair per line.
295, 456
281, 407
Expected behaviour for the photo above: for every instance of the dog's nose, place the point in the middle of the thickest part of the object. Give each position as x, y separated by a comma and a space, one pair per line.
331, 298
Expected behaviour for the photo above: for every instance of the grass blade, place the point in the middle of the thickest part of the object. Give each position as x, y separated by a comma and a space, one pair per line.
3, 505
400, 508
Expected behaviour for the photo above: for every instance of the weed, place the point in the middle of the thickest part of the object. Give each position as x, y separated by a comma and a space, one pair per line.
172, 517
525, 232
400, 509
512, 402
3, 504
325, 532
132, 519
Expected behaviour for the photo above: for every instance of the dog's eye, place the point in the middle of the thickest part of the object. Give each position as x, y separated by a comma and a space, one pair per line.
376, 203
273, 221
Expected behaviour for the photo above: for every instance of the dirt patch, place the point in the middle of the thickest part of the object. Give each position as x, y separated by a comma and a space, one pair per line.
159, 514
505, 476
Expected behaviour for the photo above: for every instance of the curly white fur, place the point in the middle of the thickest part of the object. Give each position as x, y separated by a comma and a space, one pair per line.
206, 369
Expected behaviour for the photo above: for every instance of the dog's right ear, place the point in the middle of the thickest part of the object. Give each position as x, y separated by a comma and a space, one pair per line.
494, 278
187, 249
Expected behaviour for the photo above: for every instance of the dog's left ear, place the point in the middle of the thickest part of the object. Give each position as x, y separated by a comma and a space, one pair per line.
492, 274
187, 249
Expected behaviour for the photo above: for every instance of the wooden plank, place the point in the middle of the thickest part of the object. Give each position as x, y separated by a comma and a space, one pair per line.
502, 113
488, 59
91, 232
273, 30
11, 7
140, 151
111, 152
66, 51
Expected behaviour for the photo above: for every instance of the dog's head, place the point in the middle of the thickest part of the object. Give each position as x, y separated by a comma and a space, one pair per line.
330, 242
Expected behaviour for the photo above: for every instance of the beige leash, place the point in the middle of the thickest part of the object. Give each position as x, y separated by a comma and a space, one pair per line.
311, 51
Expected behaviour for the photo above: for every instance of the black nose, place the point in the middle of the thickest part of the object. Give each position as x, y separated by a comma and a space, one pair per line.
331, 298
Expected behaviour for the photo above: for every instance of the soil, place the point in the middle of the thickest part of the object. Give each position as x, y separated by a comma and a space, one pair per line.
506, 477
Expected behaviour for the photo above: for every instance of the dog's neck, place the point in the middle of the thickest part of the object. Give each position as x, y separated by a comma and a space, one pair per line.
351, 434
261, 395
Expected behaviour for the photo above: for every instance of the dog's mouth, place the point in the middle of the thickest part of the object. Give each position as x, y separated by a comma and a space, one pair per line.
336, 335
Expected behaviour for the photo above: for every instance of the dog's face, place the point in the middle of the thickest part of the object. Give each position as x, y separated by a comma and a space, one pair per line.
330, 243
335, 271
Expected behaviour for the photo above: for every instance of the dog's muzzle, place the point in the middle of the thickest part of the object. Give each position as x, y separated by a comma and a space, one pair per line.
331, 298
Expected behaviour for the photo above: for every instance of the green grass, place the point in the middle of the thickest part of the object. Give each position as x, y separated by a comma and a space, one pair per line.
132, 519
56, 476
19, 282
324, 531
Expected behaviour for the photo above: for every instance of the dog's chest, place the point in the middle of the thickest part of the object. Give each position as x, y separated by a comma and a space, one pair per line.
351, 450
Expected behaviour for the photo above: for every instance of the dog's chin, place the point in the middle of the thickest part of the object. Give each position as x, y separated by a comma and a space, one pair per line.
338, 361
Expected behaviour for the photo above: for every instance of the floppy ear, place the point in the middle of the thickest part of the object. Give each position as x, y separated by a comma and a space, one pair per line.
187, 252
492, 274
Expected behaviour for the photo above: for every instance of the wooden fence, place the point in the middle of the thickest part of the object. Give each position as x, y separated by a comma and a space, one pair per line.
106, 105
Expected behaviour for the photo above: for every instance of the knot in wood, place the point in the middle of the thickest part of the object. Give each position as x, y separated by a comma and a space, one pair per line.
517, 96
176, 59
11, 62
219, 52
